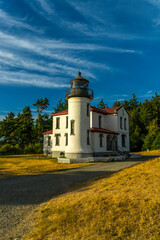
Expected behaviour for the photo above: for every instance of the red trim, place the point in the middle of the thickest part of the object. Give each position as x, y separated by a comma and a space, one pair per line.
48, 132
65, 112
103, 131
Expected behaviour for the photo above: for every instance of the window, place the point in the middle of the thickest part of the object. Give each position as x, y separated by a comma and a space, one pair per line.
121, 122
100, 121
125, 126
88, 109
57, 136
123, 140
88, 143
101, 140
49, 140
66, 122
72, 127
109, 143
66, 135
57, 123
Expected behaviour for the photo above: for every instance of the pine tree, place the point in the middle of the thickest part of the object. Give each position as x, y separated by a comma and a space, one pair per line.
102, 105
24, 127
41, 104
116, 104
7, 130
61, 106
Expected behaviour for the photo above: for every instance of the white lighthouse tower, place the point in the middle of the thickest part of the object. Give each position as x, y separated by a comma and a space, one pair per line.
79, 97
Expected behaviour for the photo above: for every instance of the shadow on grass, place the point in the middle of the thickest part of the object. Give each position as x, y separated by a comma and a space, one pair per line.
36, 189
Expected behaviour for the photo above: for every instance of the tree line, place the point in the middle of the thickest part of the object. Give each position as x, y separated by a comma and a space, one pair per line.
23, 133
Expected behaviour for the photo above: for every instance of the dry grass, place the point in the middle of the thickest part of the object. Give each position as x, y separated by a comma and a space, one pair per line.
153, 152
32, 165
124, 206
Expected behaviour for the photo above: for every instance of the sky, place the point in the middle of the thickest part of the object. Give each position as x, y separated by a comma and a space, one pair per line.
44, 43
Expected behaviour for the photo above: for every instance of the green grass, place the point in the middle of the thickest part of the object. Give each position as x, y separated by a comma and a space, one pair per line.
125, 206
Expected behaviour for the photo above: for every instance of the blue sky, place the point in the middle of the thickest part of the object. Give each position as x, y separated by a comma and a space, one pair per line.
44, 43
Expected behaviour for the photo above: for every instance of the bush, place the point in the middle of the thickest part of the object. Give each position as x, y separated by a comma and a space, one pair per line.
156, 143
36, 148
10, 149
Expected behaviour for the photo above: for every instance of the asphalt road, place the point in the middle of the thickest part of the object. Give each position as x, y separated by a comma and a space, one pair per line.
20, 196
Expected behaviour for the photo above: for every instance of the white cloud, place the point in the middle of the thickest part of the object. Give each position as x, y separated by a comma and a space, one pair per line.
28, 79
2, 117
150, 91
9, 21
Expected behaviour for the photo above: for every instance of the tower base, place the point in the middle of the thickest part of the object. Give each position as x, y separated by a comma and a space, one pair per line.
78, 155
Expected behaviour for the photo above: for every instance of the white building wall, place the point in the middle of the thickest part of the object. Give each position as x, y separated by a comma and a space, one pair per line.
62, 130
47, 150
110, 122
95, 120
95, 142
77, 109
122, 113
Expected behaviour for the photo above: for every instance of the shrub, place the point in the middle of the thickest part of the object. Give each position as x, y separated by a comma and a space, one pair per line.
10, 149
36, 148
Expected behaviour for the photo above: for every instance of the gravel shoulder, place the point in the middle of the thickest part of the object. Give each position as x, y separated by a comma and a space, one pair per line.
21, 197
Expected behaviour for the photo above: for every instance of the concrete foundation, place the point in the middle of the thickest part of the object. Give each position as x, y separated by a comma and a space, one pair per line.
78, 155
91, 159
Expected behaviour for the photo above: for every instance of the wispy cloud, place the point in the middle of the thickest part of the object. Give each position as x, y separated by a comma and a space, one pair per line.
149, 91
2, 117
9, 21
29, 79
64, 58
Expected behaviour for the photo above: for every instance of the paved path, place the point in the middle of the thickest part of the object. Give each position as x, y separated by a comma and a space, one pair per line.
20, 196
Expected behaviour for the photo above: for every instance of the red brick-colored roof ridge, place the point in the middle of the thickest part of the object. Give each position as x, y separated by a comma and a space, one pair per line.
48, 132
103, 131
110, 110
64, 112
94, 109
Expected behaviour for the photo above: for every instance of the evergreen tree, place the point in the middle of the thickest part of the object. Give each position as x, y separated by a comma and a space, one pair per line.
133, 103
7, 129
153, 131
102, 105
24, 127
116, 104
61, 106
41, 104
146, 114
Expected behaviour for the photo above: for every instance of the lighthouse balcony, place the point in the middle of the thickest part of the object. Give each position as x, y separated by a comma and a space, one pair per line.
79, 92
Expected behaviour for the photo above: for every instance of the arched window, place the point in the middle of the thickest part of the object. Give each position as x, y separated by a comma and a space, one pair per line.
120, 122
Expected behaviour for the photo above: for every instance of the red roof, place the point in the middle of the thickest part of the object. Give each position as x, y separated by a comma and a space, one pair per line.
93, 109
105, 110
103, 131
65, 112
110, 110
48, 132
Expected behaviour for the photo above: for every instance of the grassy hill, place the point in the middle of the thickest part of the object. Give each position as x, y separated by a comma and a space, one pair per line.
123, 206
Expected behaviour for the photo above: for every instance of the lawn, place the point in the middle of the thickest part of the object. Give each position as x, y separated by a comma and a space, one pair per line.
152, 152
32, 165
123, 206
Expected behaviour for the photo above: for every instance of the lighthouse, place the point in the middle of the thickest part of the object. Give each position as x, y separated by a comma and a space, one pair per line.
79, 97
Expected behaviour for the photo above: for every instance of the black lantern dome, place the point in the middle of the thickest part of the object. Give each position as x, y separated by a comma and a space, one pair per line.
79, 88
